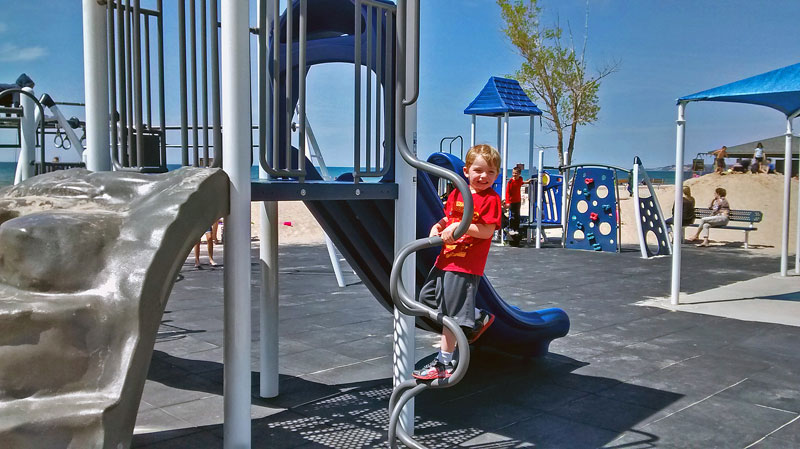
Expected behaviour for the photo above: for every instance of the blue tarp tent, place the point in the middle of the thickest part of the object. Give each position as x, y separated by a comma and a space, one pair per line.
777, 89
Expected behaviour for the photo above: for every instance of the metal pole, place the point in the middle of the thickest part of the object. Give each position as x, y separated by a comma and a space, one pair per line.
530, 148
539, 191
215, 112
472, 130
505, 167
204, 78
787, 193
539, 203
677, 229
193, 67
182, 79
405, 207
95, 68
236, 114
268, 248
27, 153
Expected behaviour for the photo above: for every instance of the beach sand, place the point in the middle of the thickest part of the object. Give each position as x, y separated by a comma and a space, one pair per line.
745, 191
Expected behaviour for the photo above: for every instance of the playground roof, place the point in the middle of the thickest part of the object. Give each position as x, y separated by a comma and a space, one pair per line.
778, 89
500, 96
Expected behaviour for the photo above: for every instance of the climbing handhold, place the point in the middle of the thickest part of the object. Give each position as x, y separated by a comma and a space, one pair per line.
607, 208
593, 216
589, 181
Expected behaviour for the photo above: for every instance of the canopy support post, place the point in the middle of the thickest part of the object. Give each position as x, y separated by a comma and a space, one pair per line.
677, 229
787, 192
472, 130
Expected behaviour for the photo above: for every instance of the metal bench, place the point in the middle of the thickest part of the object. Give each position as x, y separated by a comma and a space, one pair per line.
742, 216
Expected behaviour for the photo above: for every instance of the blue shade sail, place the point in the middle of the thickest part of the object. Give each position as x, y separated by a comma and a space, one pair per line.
500, 96
778, 89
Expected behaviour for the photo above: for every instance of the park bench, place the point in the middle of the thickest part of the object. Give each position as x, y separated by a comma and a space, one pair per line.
741, 216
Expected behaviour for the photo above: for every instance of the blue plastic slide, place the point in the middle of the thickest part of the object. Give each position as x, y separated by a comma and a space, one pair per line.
363, 230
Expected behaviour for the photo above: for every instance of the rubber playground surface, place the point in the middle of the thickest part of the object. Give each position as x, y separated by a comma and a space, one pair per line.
631, 373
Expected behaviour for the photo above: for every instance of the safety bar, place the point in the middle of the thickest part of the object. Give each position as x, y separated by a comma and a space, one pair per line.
39, 106
132, 84
404, 302
376, 156
269, 164
452, 141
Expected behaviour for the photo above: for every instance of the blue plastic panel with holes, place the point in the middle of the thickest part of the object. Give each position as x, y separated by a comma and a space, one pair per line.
551, 198
592, 218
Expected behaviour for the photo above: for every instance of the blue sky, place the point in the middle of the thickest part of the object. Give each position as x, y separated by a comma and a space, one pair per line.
666, 50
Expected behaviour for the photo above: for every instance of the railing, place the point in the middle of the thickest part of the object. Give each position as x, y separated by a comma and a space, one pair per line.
373, 112
140, 143
404, 302
452, 140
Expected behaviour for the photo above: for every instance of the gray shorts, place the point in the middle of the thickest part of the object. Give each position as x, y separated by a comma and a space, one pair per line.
452, 293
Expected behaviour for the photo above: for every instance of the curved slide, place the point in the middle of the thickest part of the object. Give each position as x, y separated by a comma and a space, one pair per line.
363, 230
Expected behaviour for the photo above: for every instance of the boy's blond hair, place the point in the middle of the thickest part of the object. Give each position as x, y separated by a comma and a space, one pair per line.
488, 152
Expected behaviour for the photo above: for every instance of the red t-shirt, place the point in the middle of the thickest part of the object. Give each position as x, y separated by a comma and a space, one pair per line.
513, 191
468, 254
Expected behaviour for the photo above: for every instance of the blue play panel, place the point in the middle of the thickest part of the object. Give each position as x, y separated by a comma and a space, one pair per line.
592, 217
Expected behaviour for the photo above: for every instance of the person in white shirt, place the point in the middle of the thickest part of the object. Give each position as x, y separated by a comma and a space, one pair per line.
758, 159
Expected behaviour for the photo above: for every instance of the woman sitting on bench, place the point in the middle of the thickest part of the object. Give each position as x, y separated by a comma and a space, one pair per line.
719, 215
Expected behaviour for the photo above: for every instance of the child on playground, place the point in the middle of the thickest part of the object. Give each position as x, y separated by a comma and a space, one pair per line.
514, 200
452, 283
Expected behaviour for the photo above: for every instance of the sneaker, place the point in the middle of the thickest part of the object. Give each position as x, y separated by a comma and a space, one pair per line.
434, 370
481, 324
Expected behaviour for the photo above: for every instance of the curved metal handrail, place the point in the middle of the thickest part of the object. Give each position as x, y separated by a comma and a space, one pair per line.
41, 122
404, 302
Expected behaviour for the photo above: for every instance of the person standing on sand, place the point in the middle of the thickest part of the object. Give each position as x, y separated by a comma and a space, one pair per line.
719, 159
719, 216
758, 159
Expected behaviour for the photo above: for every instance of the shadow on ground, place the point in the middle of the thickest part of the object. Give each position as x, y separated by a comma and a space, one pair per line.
503, 402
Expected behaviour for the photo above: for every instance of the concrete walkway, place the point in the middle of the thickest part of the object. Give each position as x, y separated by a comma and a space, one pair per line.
766, 299
627, 375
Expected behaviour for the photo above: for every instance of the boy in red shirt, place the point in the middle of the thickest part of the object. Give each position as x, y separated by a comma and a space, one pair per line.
514, 200
453, 282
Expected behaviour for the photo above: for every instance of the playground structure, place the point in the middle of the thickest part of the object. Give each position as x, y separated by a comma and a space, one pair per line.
31, 130
377, 35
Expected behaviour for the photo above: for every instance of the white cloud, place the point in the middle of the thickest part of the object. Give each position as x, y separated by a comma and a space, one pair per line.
15, 53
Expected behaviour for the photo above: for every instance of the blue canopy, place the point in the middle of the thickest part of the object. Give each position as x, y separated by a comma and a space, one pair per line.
500, 96
778, 89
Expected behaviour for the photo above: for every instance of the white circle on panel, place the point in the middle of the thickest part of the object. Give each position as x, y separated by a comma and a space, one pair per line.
578, 235
602, 192
582, 206
605, 228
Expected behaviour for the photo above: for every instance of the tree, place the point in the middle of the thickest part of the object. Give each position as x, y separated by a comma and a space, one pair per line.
553, 72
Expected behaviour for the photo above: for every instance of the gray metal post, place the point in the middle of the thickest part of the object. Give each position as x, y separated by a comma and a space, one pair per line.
268, 248
236, 115
787, 193
677, 230
539, 202
27, 124
95, 68
405, 224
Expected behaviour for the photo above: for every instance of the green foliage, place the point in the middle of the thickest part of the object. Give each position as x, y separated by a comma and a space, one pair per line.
553, 72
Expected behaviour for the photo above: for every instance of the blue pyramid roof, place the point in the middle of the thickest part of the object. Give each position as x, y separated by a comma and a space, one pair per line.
778, 89
500, 96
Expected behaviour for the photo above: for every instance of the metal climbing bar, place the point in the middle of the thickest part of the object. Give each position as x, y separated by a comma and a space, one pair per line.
403, 301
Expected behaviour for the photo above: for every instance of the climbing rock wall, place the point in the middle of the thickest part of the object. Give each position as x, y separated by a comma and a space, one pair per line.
87, 262
592, 218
